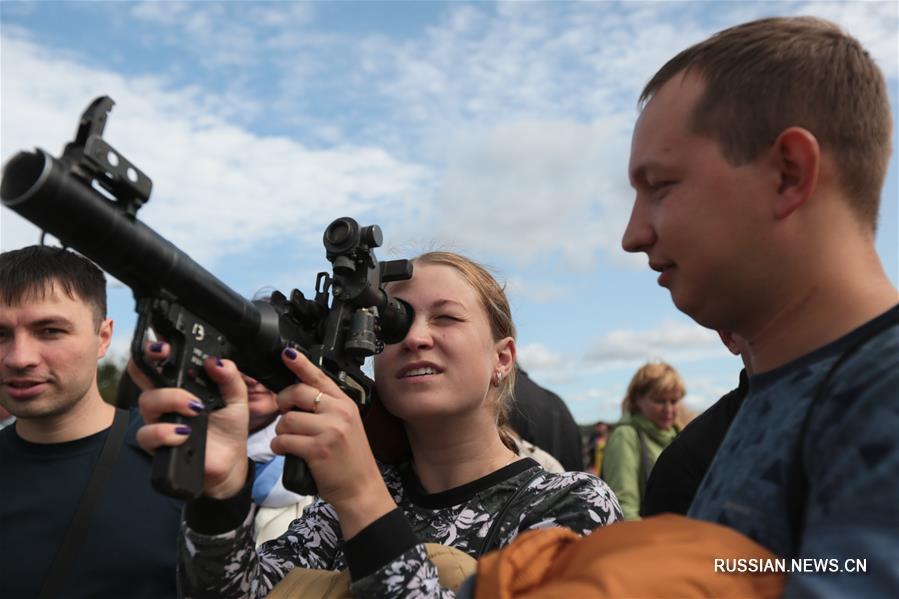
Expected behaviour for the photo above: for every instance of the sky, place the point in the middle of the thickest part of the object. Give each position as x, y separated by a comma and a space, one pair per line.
498, 130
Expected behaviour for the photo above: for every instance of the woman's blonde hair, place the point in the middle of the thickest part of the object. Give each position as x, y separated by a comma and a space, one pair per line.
499, 315
652, 379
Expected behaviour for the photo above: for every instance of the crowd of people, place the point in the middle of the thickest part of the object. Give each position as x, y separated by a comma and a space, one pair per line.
757, 162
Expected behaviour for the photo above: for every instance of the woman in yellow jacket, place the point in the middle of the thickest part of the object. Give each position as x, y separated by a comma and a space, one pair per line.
645, 429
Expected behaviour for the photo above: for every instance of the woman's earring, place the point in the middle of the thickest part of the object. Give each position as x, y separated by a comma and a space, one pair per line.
497, 379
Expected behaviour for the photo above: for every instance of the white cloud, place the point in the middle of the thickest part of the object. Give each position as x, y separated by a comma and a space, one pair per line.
523, 111
520, 288
672, 340
529, 106
524, 190
237, 188
539, 358
222, 35
622, 350
596, 404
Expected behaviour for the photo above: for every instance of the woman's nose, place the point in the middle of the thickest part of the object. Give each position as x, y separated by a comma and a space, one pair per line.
419, 335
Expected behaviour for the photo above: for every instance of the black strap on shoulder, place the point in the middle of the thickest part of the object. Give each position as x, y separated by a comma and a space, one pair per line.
65, 556
490, 539
797, 493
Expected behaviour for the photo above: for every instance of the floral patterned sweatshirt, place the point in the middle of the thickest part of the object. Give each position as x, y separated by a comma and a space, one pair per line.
388, 558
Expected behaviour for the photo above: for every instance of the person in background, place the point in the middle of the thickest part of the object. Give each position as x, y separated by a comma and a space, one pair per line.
683, 464
542, 418
276, 506
645, 429
71, 462
599, 437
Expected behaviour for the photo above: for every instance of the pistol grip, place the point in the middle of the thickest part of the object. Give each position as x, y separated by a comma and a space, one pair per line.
180, 471
297, 478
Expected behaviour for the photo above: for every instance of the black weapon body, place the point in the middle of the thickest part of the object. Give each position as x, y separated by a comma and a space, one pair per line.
88, 198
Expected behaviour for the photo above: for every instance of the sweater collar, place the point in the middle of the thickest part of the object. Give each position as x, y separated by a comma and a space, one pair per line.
457, 495
645, 426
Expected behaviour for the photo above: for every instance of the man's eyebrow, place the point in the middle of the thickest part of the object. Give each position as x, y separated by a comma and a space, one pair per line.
59, 321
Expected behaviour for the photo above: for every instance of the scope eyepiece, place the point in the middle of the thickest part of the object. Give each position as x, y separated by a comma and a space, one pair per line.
341, 235
344, 236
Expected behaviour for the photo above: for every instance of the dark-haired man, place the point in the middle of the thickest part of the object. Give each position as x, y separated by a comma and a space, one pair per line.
758, 162
53, 330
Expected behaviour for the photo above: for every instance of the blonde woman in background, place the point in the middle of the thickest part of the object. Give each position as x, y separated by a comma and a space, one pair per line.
647, 426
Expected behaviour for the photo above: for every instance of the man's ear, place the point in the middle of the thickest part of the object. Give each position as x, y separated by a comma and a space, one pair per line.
105, 337
797, 156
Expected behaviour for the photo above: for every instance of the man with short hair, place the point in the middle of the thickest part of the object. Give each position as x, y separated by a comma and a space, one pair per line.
53, 330
758, 162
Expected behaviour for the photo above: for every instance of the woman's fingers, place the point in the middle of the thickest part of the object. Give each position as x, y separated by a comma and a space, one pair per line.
153, 436
309, 373
296, 445
155, 351
296, 422
303, 397
230, 383
156, 402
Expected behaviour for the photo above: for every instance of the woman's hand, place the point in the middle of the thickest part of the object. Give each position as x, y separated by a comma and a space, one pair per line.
226, 437
328, 434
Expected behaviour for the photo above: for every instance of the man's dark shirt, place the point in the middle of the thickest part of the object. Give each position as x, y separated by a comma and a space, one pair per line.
542, 418
682, 465
130, 546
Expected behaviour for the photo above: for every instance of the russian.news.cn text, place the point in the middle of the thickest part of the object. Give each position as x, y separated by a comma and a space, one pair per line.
806, 565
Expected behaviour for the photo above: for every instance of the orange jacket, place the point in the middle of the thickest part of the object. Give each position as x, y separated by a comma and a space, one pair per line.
662, 556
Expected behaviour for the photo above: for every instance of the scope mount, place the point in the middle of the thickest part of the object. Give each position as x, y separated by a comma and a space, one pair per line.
91, 158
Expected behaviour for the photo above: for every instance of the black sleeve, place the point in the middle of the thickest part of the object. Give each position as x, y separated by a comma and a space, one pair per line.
379, 543
210, 516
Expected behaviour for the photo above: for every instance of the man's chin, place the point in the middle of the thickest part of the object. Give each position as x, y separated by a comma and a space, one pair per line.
33, 407
696, 310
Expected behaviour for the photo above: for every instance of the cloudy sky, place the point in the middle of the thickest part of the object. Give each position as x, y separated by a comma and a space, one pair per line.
500, 130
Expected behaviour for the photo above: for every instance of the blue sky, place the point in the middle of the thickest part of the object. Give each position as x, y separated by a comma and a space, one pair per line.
500, 130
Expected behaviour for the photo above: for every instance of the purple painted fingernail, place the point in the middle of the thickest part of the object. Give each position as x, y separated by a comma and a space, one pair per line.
218, 362
182, 430
156, 347
291, 355
196, 406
